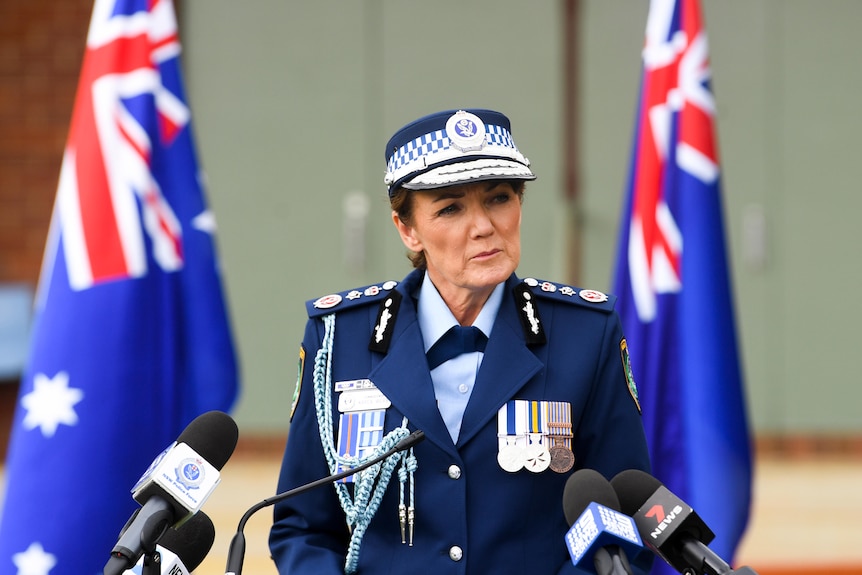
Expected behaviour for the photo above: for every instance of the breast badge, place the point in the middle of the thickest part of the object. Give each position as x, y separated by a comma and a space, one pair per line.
362, 410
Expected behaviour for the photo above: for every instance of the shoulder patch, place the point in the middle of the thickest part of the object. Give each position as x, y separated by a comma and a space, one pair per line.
300, 370
348, 299
588, 298
630, 377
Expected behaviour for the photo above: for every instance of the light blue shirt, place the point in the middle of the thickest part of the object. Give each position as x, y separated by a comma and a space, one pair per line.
454, 379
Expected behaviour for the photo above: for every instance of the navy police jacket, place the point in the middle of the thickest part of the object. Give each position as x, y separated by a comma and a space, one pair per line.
471, 516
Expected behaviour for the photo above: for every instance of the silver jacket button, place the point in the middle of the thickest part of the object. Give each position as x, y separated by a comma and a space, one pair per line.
454, 472
455, 553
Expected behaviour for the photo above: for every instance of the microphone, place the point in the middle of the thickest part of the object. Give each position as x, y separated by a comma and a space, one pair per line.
181, 550
669, 526
236, 552
175, 486
600, 537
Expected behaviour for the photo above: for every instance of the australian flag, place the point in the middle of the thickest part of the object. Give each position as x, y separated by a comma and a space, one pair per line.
672, 279
131, 337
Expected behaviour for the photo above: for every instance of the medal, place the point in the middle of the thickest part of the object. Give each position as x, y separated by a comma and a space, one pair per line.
536, 456
560, 435
511, 457
562, 459
511, 428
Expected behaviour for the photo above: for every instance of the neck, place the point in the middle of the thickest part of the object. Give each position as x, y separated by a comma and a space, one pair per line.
465, 304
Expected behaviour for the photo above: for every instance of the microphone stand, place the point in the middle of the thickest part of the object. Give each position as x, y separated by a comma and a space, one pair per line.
154, 529
152, 564
611, 560
236, 552
123, 558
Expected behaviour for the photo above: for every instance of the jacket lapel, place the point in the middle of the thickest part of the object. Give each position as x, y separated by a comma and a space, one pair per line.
507, 366
403, 376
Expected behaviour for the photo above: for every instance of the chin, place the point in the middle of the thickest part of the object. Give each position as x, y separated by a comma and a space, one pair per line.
492, 277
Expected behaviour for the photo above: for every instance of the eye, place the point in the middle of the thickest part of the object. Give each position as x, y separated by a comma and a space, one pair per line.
449, 209
501, 197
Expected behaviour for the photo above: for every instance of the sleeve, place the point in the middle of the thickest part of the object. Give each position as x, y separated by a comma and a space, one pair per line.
309, 532
610, 436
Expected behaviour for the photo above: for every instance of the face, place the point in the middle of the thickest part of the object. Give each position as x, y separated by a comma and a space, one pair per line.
471, 235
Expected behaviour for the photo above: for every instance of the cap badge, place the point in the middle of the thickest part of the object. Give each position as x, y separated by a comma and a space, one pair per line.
466, 131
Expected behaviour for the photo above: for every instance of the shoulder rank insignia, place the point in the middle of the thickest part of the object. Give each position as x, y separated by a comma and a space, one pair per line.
534, 332
589, 298
345, 300
381, 335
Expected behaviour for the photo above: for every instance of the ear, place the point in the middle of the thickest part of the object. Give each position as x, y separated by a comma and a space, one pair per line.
407, 233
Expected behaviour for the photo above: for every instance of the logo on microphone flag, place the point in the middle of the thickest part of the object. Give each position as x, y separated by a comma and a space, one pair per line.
672, 281
131, 337
597, 527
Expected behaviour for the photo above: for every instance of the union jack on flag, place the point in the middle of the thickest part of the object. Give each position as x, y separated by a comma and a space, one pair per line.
672, 280
131, 337
108, 195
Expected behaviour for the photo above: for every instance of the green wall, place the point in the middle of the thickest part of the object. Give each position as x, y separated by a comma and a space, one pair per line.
293, 102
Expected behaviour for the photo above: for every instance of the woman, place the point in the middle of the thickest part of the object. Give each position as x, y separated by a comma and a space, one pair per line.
535, 388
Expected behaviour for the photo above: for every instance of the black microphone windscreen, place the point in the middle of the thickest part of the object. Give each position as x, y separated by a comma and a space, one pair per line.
191, 541
213, 436
587, 486
633, 487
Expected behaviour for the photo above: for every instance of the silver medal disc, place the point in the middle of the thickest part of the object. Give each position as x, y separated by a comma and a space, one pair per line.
511, 458
536, 458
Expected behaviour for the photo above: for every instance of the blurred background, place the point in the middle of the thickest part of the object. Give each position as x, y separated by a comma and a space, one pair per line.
292, 103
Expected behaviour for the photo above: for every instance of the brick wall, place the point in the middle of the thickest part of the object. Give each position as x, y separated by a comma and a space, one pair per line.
41, 50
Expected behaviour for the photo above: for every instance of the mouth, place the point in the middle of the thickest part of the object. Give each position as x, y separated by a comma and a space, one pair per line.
485, 255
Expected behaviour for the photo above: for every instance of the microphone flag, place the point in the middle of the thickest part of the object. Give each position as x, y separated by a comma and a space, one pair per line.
673, 284
598, 526
131, 337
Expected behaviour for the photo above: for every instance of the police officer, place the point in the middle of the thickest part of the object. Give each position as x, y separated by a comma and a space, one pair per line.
515, 382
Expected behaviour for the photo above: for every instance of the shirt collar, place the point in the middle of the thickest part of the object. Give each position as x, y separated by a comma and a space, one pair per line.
435, 317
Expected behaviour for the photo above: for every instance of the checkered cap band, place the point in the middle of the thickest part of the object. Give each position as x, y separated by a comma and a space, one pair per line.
436, 147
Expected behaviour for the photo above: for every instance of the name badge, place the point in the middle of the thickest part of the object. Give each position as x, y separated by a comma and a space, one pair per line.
362, 400
353, 384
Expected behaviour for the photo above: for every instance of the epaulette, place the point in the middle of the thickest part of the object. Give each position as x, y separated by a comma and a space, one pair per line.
531, 321
589, 298
348, 299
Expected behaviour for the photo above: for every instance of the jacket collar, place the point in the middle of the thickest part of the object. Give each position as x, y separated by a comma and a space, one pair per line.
507, 366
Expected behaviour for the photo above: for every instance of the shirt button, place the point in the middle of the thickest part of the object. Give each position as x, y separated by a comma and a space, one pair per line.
455, 553
454, 472
463, 388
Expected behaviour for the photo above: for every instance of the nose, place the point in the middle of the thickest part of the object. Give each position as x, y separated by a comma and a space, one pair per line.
481, 224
